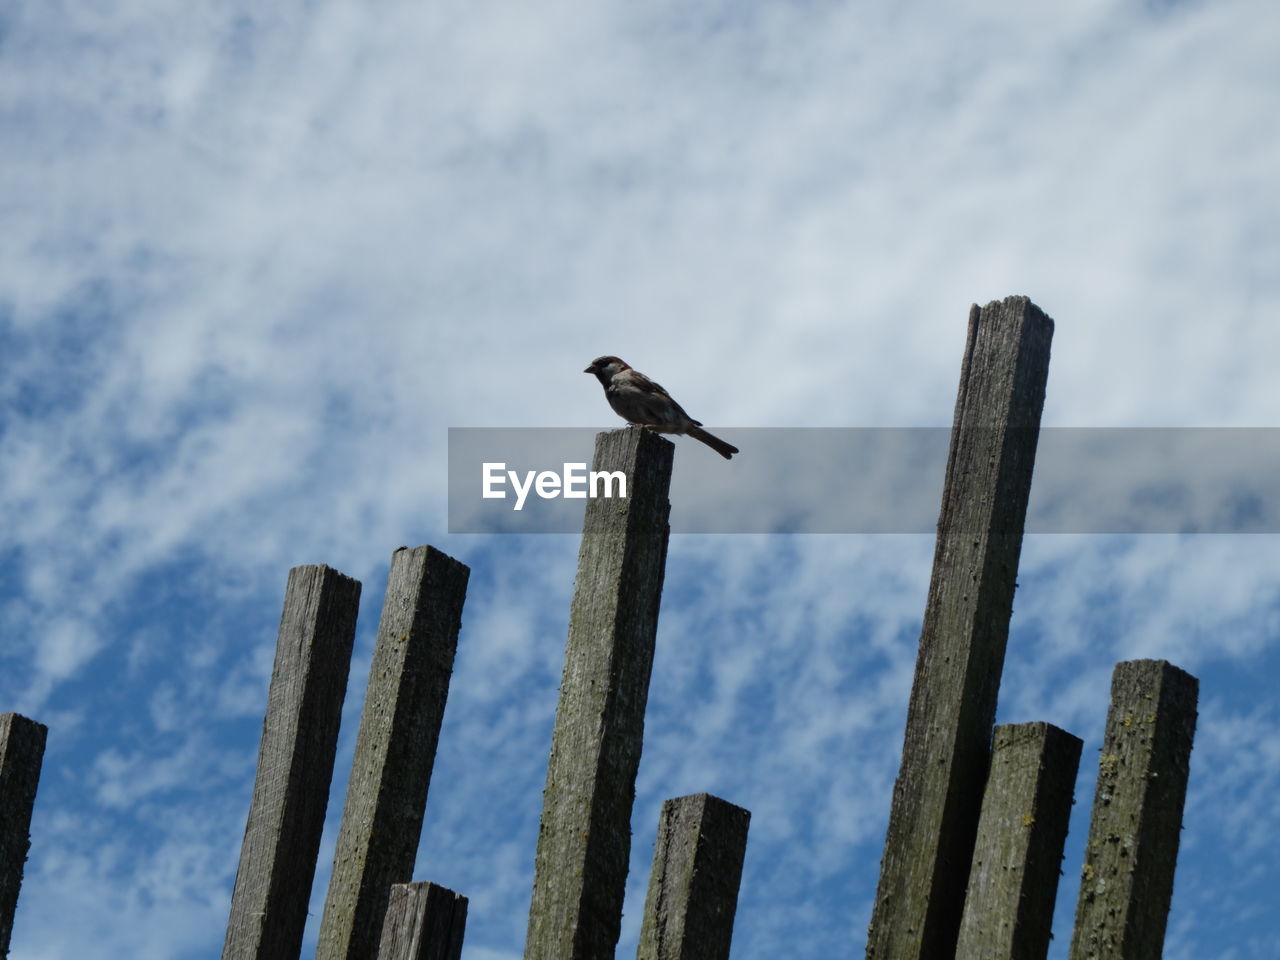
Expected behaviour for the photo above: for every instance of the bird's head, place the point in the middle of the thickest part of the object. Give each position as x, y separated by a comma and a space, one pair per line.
605, 368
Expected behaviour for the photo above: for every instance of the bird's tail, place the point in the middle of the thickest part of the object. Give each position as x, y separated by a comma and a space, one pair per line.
726, 450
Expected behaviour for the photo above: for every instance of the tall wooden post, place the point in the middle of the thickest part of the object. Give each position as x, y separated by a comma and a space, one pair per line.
1127, 880
938, 793
395, 748
585, 840
295, 766
21, 756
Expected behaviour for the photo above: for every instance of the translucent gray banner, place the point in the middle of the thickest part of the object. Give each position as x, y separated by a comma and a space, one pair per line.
878, 480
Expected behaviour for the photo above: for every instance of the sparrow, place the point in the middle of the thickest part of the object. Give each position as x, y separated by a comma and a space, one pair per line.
643, 403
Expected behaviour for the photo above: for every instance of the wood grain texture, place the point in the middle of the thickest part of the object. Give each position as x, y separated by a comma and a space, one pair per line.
395, 748
585, 839
295, 766
693, 888
938, 793
424, 921
22, 744
1126, 883
1017, 859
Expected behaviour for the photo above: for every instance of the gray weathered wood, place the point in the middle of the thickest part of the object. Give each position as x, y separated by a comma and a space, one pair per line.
585, 839
424, 921
1017, 859
295, 766
693, 889
21, 756
395, 748
938, 793
1127, 880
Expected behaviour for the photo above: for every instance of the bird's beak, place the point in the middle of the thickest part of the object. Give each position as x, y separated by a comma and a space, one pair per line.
590, 369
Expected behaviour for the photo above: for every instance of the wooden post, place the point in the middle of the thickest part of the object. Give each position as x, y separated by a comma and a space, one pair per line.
1013, 883
585, 839
938, 793
693, 889
295, 766
395, 748
424, 921
1127, 880
21, 756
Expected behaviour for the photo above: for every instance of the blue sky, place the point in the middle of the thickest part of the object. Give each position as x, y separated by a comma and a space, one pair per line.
256, 261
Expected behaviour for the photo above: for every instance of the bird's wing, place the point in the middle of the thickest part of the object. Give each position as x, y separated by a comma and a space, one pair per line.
657, 402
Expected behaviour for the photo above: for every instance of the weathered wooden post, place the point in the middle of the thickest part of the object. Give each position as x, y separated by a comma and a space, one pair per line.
585, 839
693, 889
1017, 859
938, 792
424, 921
395, 748
1127, 880
295, 766
21, 756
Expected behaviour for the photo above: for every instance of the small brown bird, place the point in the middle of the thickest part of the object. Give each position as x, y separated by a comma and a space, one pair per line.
641, 402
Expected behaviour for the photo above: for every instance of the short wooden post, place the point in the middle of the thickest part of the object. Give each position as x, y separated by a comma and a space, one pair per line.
1013, 882
693, 889
395, 748
424, 921
585, 840
1127, 880
295, 766
21, 756
938, 793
